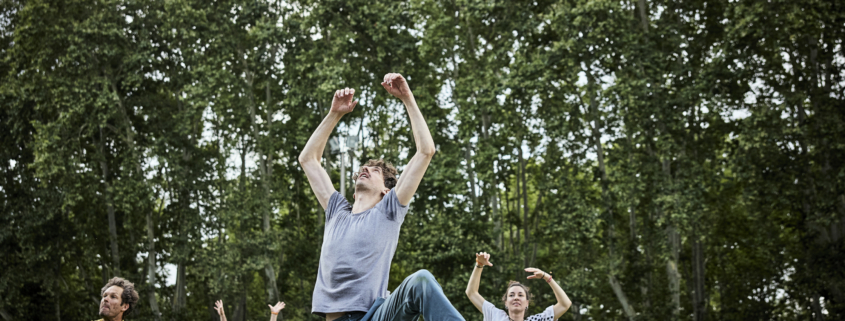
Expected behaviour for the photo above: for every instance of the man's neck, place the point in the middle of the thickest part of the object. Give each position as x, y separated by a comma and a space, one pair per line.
365, 201
119, 317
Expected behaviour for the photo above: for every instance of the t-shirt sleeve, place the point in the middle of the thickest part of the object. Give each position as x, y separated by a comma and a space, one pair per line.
391, 207
336, 202
547, 315
491, 312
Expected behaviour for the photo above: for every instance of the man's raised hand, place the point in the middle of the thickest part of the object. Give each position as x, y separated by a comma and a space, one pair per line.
219, 307
396, 85
482, 259
342, 101
276, 309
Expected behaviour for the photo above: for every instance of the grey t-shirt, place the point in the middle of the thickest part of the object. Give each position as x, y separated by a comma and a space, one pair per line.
492, 313
356, 254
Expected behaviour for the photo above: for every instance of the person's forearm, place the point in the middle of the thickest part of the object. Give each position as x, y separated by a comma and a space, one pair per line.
273, 316
313, 150
561, 296
422, 136
474, 280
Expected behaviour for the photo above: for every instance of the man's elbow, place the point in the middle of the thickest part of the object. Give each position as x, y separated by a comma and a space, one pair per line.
303, 159
469, 293
428, 151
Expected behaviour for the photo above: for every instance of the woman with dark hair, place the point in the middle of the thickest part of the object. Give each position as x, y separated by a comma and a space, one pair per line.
517, 296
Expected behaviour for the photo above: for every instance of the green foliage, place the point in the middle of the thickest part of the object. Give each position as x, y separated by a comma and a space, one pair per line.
691, 153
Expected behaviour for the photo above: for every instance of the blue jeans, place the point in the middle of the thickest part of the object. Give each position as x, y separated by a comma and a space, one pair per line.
419, 294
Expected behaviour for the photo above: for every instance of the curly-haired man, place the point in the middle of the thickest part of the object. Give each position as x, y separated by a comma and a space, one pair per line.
118, 299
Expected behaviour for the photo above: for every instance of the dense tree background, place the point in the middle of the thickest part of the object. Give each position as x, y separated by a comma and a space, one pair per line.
665, 159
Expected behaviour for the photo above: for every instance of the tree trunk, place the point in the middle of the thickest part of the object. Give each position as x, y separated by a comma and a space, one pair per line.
180, 297
632, 209
632, 222
241, 310
265, 162
620, 295
511, 239
105, 275
647, 279
536, 225
699, 292
672, 270
470, 173
607, 203
494, 187
184, 195
643, 14
516, 244
58, 308
672, 237
272, 288
151, 267
109, 207
815, 302
526, 223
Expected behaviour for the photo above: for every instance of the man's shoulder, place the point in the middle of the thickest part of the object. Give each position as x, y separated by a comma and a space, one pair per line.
338, 203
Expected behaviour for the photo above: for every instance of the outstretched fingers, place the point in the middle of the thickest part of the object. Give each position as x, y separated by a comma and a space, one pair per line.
278, 307
484, 258
538, 274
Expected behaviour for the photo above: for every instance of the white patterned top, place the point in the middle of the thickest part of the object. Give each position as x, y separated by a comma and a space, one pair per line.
492, 313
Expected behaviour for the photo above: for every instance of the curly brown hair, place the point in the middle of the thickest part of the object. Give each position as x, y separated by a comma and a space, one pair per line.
388, 171
130, 296
513, 284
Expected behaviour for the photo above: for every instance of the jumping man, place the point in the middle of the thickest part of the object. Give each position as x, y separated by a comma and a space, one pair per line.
360, 238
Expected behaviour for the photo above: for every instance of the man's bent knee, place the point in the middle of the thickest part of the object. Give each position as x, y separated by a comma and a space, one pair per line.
422, 277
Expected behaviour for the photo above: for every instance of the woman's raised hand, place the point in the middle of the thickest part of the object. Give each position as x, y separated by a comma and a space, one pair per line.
538, 274
482, 259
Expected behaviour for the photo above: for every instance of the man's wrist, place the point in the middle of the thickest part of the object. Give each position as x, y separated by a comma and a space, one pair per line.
409, 99
335, 114
479, 265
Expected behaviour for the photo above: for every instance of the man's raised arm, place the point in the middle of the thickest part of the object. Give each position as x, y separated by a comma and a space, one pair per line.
321, 183
410, 179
